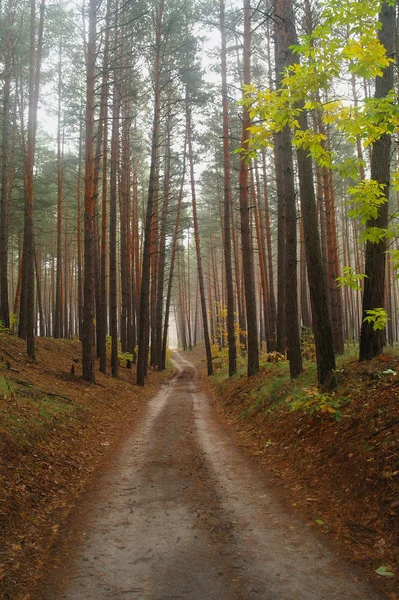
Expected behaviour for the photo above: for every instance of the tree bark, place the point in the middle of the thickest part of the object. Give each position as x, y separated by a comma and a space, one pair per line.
113, 297
162, 250
4, 197
197, 239
231, 336
102, 318
246, 242
318, 296
287, 195
79, 235
172, 260
142, 358
27, 313
58, 316
89, 202
271, 342
371, 340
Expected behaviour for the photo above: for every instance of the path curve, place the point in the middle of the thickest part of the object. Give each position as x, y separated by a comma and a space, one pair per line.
184, 515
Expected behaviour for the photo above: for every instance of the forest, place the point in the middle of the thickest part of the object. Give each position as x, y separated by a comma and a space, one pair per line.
199, 264
227, 173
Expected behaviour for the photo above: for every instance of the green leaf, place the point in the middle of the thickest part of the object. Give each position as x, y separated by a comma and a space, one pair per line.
377, 317
384, 572
320, 521
350, 278
4, 389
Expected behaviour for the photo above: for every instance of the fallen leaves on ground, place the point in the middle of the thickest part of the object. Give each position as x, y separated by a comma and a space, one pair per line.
55, 430
341, 477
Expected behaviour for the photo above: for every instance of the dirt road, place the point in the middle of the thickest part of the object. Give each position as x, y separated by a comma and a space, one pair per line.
183, 515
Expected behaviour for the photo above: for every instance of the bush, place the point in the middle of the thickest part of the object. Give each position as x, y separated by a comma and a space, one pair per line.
310, 401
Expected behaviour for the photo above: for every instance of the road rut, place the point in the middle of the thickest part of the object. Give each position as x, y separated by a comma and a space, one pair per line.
183, 515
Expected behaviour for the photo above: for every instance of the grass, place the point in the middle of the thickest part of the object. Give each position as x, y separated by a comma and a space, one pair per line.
26, 418
268, 390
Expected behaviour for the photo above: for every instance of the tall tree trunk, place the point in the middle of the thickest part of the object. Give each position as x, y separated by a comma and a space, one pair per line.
318, 296
58, 317
182, 311
189, 294
100, 333
65, 332
287, 195
246, 243
197, 239
271, 342
172, 260
102, 318
305, 312
142, 359
154, 249
113, 295
39, 294
237, 274
281, 260
261, 253
89, 203
27, 313
162, 250
124, 191
79, 234
231, 336
136, 267
372, 340
332, 256
4, 194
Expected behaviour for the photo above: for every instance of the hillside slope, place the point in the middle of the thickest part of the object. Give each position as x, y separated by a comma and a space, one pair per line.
334, 458
55, 431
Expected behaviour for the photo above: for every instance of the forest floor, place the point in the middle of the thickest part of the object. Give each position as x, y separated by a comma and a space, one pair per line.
181, 514
111, 490
335, 458
56, 430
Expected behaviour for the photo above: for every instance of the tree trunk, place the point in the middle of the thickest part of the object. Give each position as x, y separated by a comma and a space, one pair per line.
318, 296
102, 319
142, 359
79, 234
281, 224
372, 340
287, 195
261, 253
305, 312
4, 197
89, 203
197, 240
271, 342
113, 273
231, 336
332, 257
39, 295
162, 250
27, 313
58, 316
172, 260
154, 249
246, 243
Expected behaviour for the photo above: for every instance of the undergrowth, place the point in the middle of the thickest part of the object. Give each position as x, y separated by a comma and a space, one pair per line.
273, 387
28, 418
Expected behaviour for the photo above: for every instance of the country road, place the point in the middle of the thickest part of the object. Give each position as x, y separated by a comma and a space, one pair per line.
182, 514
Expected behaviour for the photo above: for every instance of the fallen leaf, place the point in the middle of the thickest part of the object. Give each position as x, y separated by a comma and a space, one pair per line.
384, 572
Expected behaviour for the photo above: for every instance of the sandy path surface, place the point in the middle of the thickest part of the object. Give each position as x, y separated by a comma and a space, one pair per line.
183, 515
